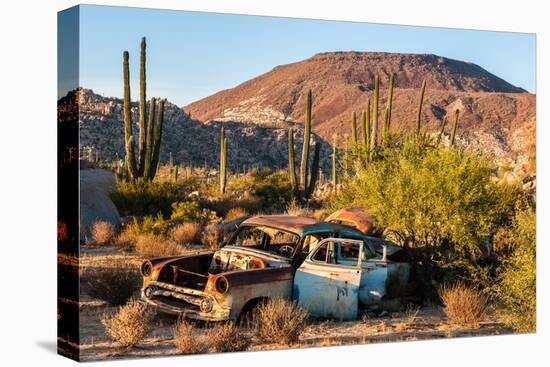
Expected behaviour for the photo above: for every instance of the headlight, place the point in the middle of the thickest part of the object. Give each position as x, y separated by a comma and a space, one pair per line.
206, 305
146, 268
149, 291
222, 285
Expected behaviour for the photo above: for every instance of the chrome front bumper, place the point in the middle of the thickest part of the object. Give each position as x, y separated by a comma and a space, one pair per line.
185, 302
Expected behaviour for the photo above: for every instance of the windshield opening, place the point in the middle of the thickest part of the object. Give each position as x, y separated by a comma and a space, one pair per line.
272, 240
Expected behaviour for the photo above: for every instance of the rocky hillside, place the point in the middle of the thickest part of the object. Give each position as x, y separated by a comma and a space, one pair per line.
190, 141
496, 117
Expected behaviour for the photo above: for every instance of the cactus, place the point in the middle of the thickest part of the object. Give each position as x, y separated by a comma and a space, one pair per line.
142, 109
176, 174
305, 146
420, 102
128, 137
149, 138
387, 113
291, 162
455, 124
223, 161
334, 173
156, 140
314, 171
441, 131
374, 134
149, 135
366, 128
305, 188
354, 128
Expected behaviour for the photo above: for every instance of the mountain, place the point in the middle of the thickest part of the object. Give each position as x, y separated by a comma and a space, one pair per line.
495, 116
190, 141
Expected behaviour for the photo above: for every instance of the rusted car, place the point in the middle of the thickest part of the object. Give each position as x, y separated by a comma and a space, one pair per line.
330, 269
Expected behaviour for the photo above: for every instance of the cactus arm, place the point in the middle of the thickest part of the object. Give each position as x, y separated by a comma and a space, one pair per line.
142, 110
419, 111
291, 162
314, 171
149, 140
455, 124
374, 133
441, 131
354, 128
128, 137
157, 139
305, 147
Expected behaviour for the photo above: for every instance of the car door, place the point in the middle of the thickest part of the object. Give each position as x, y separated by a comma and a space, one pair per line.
327, 282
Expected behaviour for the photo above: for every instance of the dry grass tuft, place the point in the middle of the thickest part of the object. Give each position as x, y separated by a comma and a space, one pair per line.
186, 341
129, 325
103, 232
185, 233
280, 321
115, 285
235, 213
219, 338
228, 338
156, 246
463, 305
294, 208
409, 318
211, 236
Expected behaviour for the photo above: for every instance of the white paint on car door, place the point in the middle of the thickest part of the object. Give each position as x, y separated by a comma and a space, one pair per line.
327, 283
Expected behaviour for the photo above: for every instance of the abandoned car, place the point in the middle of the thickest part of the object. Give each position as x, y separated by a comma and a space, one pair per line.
331, 269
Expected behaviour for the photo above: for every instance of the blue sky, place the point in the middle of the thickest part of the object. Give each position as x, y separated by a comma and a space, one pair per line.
191, 55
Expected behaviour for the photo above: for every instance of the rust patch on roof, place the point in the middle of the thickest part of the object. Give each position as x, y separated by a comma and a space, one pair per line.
357, 217
296, 224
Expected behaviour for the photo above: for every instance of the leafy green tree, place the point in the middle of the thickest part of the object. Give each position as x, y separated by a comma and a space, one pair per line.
516, 279
441, 204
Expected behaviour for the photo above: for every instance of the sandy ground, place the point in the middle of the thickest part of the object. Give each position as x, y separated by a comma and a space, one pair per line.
427, 323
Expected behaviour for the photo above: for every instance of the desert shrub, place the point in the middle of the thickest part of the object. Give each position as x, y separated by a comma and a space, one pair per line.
463, 305
185, 233
294, 208
441, 202
516, 280
228, 338
129, 325
186, 340
279, 321
148, 225
236, 212
271, 187
157, 246
103, 232
186, 211
211, 236
115, 285
218, 338
141, 197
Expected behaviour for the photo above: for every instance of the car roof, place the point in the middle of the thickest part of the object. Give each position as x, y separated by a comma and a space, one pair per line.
297, 224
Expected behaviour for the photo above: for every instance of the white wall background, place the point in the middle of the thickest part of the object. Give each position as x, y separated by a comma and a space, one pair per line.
28, 180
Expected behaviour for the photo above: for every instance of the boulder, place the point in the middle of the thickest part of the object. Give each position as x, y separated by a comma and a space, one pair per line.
95, 202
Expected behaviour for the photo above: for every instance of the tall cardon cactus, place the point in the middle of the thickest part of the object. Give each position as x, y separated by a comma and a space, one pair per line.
308, 180
149, 139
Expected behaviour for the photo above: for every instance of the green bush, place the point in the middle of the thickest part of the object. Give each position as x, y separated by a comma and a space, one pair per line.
442, 202
186, 211
516, 280
272, 187
148, 225
142, 197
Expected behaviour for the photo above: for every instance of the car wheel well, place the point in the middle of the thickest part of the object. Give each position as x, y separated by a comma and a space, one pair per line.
250, 306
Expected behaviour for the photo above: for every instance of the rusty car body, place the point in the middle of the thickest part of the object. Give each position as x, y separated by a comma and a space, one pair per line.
278, 256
